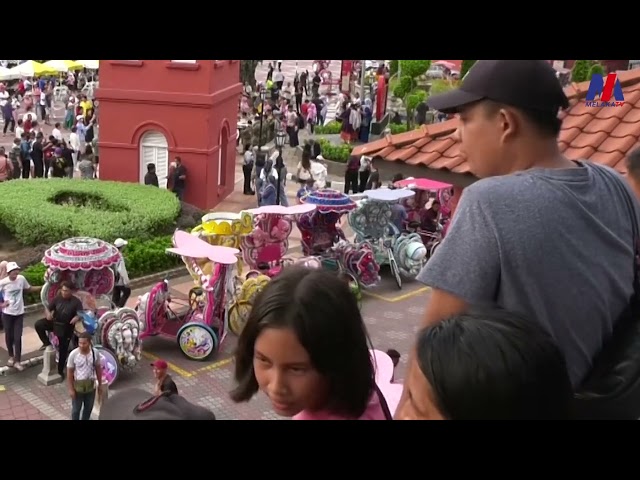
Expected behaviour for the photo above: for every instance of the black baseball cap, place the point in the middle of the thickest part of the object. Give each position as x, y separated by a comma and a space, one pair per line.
527, 84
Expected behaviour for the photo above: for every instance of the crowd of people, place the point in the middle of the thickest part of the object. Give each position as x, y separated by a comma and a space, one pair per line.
520, 324
72, 145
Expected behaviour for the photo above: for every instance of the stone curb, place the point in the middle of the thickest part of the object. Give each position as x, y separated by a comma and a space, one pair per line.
135, 283
32, 362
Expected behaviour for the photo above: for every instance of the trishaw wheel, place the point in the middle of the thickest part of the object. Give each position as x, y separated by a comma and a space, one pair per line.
197, 341
433, 248
238, 316
394, 269
110, 365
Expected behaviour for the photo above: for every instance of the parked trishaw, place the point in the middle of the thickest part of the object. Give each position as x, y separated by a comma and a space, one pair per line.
87, 263
264, 249
323, 237
426, 192
405, 253
199, 322
225, 229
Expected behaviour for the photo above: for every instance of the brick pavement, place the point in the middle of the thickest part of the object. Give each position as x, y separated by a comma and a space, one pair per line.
289, 70
392, 318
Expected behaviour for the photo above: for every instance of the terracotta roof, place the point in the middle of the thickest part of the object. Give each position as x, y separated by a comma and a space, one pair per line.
603, 135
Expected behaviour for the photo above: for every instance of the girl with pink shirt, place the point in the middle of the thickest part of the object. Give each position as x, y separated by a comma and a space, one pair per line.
306, 347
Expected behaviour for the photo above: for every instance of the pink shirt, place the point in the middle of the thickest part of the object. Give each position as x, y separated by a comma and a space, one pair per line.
373, 412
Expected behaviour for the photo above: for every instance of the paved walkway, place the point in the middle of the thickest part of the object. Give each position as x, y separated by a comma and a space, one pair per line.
392, 317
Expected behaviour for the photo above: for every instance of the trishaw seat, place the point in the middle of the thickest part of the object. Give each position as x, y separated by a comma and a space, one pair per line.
87, 299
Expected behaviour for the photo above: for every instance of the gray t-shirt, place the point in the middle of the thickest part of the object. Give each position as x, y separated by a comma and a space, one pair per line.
553, 244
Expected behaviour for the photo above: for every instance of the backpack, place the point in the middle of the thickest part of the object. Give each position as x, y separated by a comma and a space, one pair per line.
611, 390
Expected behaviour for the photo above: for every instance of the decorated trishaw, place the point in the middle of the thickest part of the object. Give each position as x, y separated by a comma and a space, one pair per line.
404, 252
199, 322
225, 229
264, 251
427, 191
88, 264
323, 237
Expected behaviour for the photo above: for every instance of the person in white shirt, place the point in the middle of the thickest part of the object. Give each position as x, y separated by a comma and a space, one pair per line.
19, 128
74, 144
43, 106
12, 288
4, 95
319, 172
57, 134
84, 368
121, 290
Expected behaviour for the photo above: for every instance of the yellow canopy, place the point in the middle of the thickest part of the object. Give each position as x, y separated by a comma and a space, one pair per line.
31, 68
63, 65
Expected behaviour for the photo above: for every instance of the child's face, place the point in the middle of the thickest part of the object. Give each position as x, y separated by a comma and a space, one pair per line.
285, 374
420, 403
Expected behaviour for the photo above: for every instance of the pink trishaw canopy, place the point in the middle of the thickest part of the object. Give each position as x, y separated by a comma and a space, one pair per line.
421, 184
81, 253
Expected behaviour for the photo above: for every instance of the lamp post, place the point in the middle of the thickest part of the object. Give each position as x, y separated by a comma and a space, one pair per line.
263, 97
280, 139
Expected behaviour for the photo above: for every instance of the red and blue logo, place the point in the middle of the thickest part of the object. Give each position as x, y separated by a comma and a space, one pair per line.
605, 90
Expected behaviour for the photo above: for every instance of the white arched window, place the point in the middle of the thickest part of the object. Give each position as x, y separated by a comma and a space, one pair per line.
154, 149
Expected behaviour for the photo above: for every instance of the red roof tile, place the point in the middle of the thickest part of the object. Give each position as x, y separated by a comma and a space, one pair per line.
602, 135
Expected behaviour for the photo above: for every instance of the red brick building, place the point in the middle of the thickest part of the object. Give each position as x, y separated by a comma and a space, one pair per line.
154, 110
601, 135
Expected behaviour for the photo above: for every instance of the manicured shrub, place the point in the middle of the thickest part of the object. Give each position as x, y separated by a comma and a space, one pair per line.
45, 211
331, 128
337, 153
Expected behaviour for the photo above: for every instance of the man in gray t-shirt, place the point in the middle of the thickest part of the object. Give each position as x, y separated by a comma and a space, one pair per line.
539, 234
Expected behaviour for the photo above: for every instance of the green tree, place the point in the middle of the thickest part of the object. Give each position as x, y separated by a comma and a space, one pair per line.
407, 87
248, 71
466, 65
597, 68
580, 70
393, 67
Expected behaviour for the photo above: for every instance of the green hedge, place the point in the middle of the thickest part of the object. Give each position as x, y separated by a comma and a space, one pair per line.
142, 257
337, 153
331, 128
46, 211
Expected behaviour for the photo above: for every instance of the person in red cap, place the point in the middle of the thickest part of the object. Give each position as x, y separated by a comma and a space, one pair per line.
164, 382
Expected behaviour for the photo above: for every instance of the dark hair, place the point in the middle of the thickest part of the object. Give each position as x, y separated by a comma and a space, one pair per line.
491, 364
66, 284
305, 159
546, 123
633, 162
84, 335
324, 314
151, 167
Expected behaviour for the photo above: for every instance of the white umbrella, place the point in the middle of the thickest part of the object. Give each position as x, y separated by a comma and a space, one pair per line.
90, 64
7, 74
